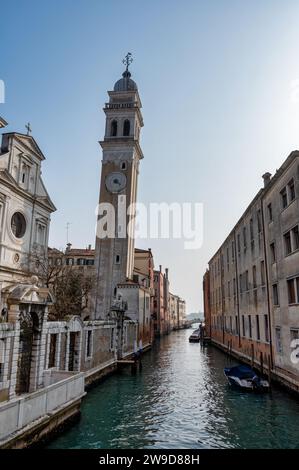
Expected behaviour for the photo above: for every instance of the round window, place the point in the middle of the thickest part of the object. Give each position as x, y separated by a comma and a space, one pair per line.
18, 225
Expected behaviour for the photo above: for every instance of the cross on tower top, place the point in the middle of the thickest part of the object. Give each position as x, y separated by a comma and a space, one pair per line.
29, 130
128, 60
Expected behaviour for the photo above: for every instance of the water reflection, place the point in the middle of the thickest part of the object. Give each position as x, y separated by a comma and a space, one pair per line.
181, 400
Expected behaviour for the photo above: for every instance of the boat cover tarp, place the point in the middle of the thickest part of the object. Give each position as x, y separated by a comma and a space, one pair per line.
242, 372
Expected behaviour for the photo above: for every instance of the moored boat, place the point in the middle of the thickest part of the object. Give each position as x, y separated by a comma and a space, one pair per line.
195, 336
245, 378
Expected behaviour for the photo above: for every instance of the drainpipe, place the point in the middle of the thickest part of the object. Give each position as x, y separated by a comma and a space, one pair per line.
267, 281
237, 287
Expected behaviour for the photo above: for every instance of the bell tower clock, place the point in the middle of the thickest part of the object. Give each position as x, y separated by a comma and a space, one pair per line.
120, 167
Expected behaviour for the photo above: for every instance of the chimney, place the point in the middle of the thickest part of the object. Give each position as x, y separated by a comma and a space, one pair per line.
166, 273
160, 268
267, 179
89, 247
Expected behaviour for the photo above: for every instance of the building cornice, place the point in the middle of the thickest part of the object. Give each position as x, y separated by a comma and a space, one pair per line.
3, 123
260, 195
122, 142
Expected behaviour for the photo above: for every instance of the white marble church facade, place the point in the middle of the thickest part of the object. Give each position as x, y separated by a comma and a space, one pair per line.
25, 211
44, 365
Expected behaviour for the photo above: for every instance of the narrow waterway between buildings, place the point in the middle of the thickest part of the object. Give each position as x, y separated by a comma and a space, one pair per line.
181, 400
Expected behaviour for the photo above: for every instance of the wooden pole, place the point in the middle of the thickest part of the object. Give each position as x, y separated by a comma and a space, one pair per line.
269, 370
262, 363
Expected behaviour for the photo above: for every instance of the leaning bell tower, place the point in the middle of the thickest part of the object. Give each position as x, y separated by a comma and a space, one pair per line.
118, 189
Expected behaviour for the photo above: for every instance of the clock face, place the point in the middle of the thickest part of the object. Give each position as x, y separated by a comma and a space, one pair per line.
116, 182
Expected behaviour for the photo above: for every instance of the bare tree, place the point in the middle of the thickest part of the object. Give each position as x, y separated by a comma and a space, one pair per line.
71, 285
71, 289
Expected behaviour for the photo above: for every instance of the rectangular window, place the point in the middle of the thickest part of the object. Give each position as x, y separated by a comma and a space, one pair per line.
259, 222
244, 238
251, 229
246, 281
117, 259
258, 332
295, 235
294, 333
255, 298
112, 339
294, 336
270, 215
284, 198
273, 252
275, 294
266, 328
89, 343
250, 326
52, 351
287, 243
291, 291
278, 340
291, 187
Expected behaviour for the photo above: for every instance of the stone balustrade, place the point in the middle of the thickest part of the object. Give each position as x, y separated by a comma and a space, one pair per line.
63, 389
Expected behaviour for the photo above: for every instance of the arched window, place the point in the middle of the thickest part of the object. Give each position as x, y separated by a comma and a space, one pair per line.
127, 127
114, 128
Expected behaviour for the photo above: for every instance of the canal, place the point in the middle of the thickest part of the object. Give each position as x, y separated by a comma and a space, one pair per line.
181, 400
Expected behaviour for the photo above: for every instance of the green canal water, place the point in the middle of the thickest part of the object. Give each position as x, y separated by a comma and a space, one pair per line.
181, 400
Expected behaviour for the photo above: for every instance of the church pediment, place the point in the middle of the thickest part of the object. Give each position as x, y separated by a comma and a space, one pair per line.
28, 143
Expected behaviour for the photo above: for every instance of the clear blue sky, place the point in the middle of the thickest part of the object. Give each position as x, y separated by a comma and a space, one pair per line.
215, 79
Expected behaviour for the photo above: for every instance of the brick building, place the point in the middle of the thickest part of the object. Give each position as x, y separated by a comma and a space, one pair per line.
251, 290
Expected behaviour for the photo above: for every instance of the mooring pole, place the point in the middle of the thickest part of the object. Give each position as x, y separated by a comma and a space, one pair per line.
262, 362
269, 370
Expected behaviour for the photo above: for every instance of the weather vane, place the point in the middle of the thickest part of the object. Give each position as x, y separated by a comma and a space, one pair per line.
28, 128
128, 60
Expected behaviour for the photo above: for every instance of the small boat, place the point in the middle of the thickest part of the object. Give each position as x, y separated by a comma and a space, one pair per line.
245, 378
195, 337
